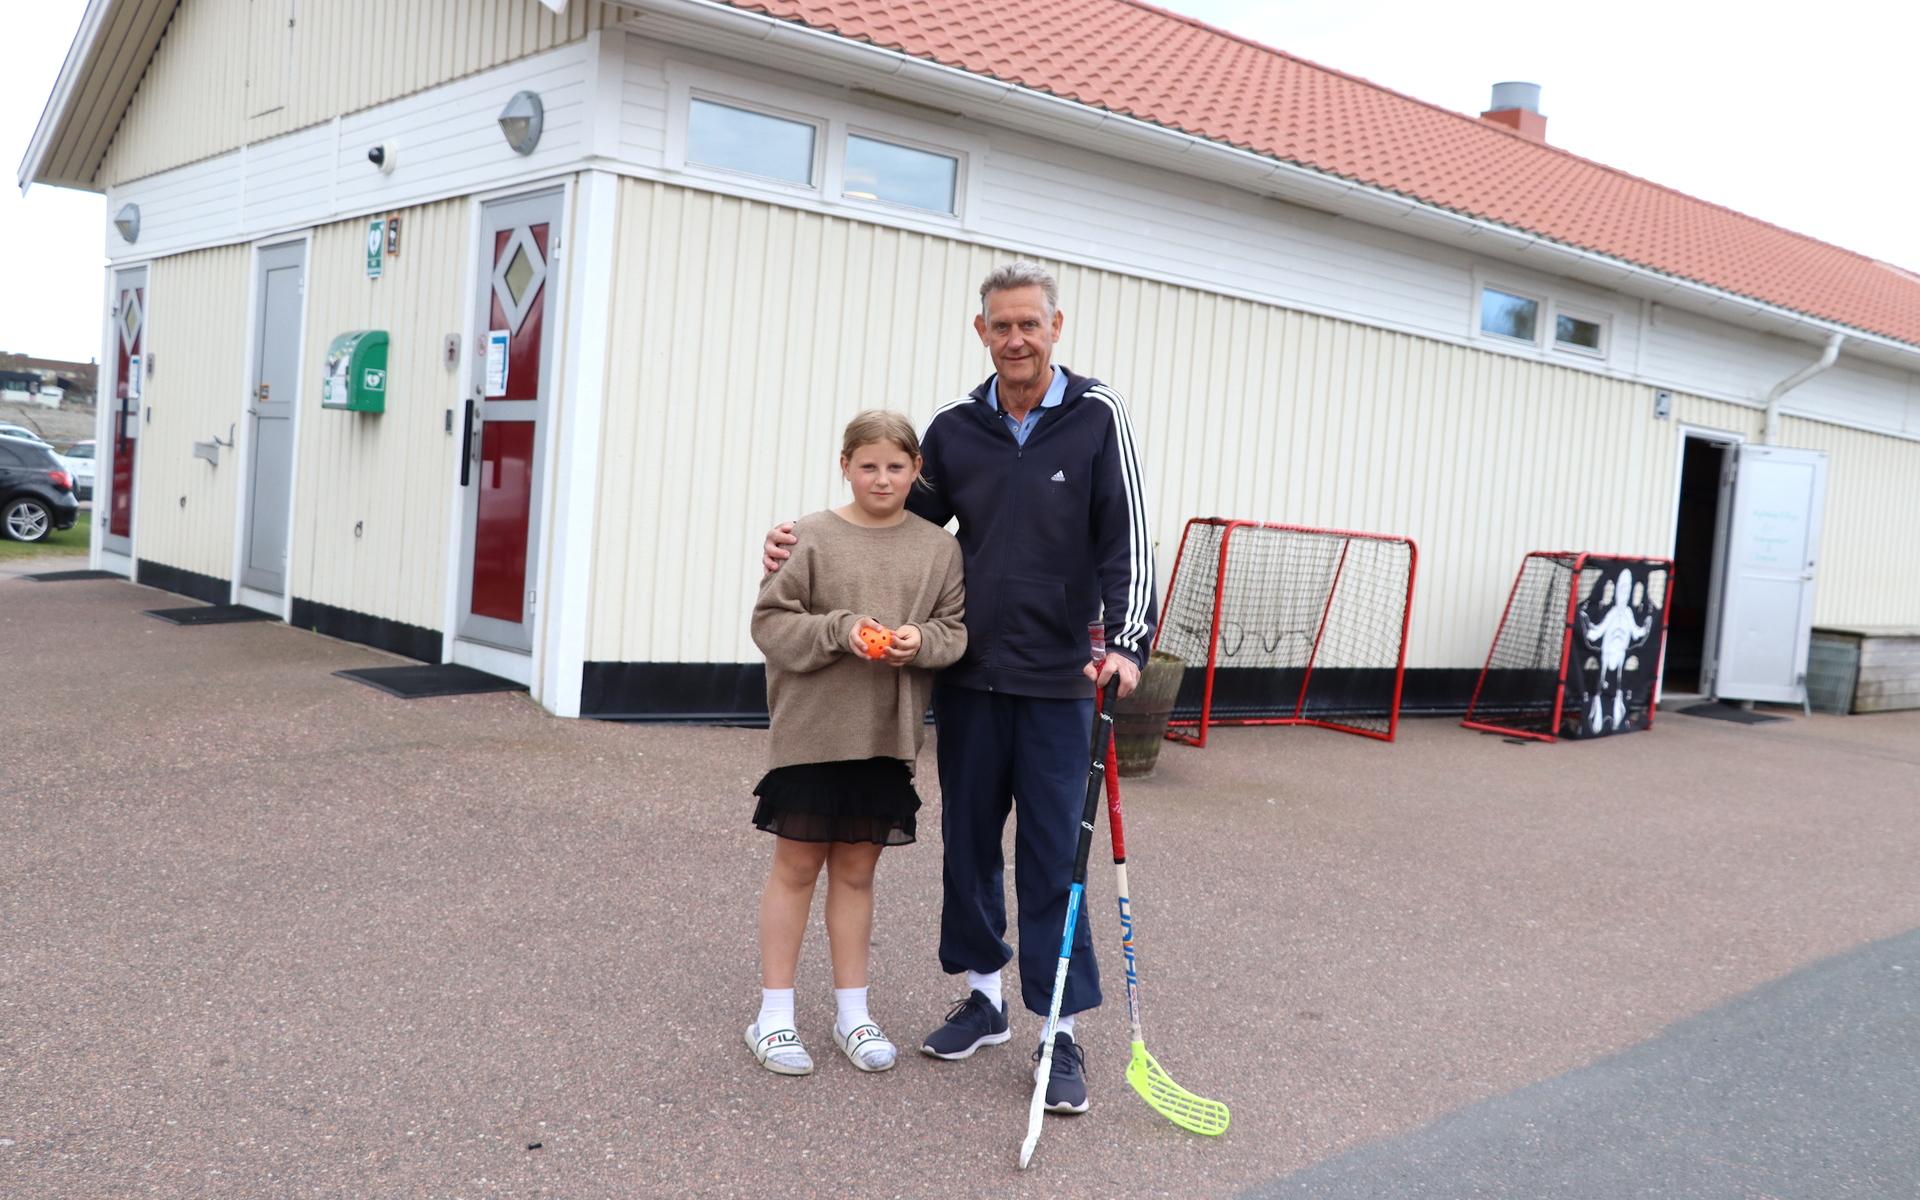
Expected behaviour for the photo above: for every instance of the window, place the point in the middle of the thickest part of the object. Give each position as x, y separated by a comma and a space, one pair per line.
1576, 333
743, 135
1507, 315
886, 171
753, 143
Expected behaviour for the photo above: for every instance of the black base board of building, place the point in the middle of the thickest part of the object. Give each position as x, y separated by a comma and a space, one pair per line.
210, 614
1252, 693
395, 637
209, 588
736, 693
687, 693
71, 576
441, 679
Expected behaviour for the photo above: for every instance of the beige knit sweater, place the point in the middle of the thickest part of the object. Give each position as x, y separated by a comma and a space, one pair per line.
828, 704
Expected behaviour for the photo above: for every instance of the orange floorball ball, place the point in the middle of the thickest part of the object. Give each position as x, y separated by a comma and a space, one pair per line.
876, 641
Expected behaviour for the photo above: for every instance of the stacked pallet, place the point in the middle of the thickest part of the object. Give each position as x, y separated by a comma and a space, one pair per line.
1865, 669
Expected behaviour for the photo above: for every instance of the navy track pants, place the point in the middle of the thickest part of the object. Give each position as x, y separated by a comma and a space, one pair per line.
998, 751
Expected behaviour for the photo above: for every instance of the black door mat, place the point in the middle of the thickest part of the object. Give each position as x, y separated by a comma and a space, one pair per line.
445, 679
69, 576
210, 614
1714, 710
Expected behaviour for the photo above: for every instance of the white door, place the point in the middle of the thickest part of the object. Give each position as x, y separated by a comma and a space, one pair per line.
269, 494
1776, 498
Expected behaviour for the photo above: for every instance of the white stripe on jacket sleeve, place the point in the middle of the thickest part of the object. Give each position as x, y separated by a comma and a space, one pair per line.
1135, 628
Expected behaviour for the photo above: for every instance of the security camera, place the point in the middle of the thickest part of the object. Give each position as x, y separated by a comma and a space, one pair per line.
382, 156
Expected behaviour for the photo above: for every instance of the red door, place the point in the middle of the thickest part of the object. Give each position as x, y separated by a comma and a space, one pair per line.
129, 376
506, 418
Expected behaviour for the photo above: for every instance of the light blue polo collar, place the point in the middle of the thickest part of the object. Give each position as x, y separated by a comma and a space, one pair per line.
1056, 391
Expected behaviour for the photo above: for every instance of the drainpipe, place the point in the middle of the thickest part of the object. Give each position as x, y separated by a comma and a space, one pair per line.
1770, 428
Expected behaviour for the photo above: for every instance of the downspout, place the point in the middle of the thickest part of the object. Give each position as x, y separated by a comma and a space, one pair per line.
1770, 428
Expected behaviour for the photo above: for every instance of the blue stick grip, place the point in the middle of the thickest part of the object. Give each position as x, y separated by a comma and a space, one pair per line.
1073, 918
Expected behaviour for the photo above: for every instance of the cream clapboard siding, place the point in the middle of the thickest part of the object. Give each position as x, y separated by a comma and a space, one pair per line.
1869, 573
196, 336
745, 334
392, 473
343, 56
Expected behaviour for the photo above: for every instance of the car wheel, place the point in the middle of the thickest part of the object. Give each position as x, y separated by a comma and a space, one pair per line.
27, 520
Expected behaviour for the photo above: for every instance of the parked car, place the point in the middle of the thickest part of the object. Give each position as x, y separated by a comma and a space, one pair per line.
36, 493
79, 463
21, 431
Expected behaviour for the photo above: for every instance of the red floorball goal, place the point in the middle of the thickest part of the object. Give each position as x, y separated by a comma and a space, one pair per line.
1578, 650
1288, 625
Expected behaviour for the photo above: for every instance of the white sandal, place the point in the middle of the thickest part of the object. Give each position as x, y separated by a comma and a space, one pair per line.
868, 1049
779, 1050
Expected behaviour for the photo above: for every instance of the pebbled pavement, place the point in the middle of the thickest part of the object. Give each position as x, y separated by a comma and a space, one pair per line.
265, 932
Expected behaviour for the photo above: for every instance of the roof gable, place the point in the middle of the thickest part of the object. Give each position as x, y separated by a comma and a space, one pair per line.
1156, 66
110, 52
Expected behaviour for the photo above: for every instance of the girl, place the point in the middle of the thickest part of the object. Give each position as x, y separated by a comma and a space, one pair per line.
846, 726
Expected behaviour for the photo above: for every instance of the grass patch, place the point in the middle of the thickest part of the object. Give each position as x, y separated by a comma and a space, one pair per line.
65, 541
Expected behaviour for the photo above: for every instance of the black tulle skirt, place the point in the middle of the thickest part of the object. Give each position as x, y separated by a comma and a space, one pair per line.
852, 800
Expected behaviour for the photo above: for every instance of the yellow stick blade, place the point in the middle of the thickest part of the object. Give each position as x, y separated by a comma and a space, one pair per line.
1170, 1100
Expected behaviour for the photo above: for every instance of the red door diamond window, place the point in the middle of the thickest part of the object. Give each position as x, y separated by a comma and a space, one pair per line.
126, 420
517, 305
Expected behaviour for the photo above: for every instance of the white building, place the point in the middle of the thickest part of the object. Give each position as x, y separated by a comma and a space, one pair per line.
1327, 303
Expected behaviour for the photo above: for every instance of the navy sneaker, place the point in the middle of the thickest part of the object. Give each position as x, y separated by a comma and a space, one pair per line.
1067, 1085
973, 1023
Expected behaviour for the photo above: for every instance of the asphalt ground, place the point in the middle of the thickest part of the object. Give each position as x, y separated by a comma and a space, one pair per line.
265, 932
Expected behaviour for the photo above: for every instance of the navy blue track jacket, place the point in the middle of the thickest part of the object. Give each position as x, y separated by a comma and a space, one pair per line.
1053, 533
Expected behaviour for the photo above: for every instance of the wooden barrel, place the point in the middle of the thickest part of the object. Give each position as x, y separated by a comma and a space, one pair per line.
1140, 720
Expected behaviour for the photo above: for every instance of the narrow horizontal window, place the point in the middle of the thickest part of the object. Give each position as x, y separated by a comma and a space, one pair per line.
877, 170
1508, 315
1576, 333
753, 143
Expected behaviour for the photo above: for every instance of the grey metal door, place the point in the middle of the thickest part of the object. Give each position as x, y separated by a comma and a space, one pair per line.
276, 382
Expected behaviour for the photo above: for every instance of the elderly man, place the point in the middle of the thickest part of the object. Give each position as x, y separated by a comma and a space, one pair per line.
1040, 468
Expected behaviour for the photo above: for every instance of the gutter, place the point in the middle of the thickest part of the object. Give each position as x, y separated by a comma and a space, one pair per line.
1770, 427
718, 17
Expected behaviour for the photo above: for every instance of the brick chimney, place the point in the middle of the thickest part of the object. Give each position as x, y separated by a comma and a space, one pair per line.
1517, 106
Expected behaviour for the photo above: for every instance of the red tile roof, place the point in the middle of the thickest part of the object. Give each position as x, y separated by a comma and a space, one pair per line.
1132, 58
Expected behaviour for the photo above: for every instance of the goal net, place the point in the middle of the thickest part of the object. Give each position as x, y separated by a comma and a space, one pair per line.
1292, 625
1578, 649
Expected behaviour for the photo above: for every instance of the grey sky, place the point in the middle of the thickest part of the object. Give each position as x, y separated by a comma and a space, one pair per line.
1798, 115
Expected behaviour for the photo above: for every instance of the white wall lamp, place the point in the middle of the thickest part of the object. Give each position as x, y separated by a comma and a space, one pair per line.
127, 221
520, 121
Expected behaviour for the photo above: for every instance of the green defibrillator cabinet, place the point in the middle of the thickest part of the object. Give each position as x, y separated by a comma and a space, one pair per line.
356, 378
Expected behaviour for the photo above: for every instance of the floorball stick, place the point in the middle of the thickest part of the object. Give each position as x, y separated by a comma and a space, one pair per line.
1102, 737
1147, 1076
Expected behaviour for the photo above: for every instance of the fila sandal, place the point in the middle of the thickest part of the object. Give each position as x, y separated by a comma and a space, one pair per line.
867, 1048
779, 1050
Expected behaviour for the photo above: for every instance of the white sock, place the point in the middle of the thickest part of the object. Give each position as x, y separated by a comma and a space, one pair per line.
852, 1003
776, 1009
986, 985
1064, 1025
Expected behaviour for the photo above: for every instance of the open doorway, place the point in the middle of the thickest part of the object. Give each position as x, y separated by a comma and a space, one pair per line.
1697, 546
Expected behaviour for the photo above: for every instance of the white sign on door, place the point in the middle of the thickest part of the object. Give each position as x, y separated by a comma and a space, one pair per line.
497, 340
